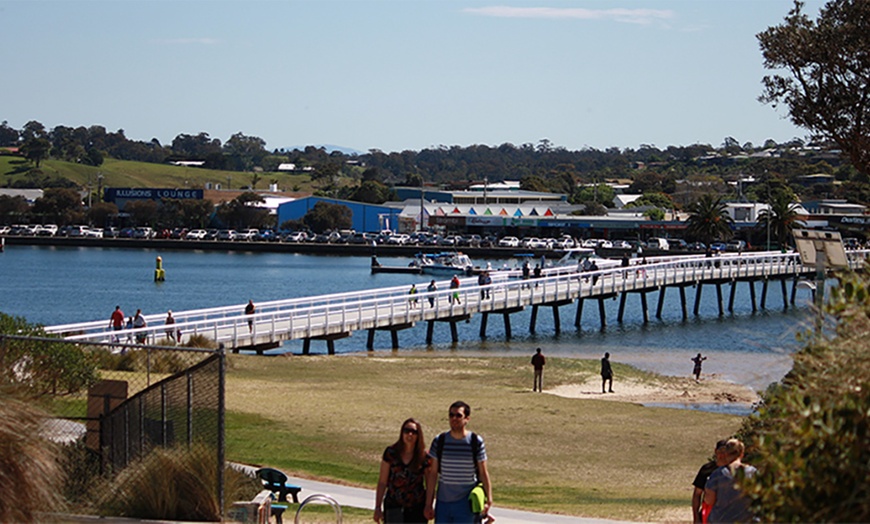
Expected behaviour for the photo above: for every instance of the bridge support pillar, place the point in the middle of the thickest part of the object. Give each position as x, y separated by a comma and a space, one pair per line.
534, 319
752, 294
784, 287
683, 302
507, 325
661, 302
557, 322
643, 307
430, 327
719, 298
454, 334
579, 314
601, 314
622, 299
370, 341
763, 293
483, 320
731, 296
330, 342
794, 289
698, 297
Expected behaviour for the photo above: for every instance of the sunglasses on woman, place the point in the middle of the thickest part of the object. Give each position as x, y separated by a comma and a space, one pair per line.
409, 431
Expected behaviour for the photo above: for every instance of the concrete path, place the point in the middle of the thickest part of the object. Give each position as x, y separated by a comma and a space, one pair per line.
365, 498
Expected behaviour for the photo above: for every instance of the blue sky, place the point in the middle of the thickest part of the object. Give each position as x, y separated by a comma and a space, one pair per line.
396, 74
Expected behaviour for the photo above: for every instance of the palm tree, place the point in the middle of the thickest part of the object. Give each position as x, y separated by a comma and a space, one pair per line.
780, 217
709, 220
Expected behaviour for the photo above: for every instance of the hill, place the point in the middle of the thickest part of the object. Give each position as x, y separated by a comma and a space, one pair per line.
125, 173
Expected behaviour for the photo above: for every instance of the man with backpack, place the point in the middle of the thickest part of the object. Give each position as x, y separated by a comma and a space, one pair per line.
458, 465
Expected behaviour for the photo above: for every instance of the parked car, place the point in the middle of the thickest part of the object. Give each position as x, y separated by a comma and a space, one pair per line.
399, 240
678, 244
735, 245
196, 234
718, 246
658, 243
296, 236
248, 235
73, 231
697, 246
226, 234
93, 232
48, 230
143, 232
4, 230
509, 242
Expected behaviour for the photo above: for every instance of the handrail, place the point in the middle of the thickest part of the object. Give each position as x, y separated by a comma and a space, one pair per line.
320, 497
343, 312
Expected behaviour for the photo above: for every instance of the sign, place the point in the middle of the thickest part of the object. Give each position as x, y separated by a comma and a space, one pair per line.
143, 193
855, 221
485, 221
455, 221
811, 244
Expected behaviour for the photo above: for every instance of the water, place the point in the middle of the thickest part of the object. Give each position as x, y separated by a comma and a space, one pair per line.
57, 285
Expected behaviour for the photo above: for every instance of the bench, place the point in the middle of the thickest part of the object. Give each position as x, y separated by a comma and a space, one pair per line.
276, 482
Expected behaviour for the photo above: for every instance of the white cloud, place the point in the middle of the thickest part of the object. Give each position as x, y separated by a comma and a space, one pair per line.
187, 41
632, 16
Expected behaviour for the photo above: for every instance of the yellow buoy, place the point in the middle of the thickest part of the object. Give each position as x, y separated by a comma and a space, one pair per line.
159, 273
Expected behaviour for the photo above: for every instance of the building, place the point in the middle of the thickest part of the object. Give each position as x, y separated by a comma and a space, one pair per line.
368, 218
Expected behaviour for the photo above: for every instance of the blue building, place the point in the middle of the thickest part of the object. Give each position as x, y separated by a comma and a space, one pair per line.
368, 218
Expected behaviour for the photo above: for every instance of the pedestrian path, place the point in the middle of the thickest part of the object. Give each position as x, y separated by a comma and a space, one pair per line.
348, 496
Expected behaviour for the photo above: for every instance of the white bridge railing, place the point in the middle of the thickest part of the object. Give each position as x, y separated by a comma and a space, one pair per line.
341, 313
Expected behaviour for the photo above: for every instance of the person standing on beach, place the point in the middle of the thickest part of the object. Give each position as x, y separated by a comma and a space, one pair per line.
250, 309
538, 362
606, 374
458, 465
697, 371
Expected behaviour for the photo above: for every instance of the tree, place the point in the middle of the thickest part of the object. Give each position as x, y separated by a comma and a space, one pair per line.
325, 215
101, 213
781, 217
8, 136
245, 151
142, 212
60, 206
598, 193
810, 438
36, 149
242, 212
11, 208
709, 220
826, 76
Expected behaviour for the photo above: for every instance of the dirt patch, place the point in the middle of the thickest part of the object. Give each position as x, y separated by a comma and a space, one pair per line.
709, 389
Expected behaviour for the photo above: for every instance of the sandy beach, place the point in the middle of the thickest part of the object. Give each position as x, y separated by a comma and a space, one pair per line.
674, 390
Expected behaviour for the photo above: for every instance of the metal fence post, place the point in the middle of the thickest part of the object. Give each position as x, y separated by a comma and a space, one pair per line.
221, 411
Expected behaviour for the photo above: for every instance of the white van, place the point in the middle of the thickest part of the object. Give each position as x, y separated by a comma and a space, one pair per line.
658, 243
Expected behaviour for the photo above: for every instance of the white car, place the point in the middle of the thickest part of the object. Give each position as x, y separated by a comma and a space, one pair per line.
196, 234
399, 240
4, 230
93, 232
509, 242
248, 235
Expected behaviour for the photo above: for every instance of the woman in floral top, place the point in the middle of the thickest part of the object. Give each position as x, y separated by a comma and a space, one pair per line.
401, 492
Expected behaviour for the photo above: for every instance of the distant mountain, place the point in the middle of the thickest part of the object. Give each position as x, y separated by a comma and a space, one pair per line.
329, 149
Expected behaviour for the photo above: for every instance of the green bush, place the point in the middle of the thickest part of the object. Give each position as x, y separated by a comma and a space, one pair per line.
810, 439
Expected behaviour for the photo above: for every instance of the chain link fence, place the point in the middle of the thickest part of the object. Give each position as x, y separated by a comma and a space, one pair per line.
115, 403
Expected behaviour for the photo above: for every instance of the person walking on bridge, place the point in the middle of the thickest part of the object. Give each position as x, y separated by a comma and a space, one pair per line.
250, 309
116, 322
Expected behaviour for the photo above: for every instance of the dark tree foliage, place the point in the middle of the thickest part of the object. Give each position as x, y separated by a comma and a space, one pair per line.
709, 221
59, 206
825, 79
101, 213
142, 212
242, 212
12, 208
8, 136
36, 149
325, 215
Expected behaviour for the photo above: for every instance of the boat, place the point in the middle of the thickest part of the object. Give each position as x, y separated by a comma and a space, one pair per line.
378, 268
582, 258
446, 263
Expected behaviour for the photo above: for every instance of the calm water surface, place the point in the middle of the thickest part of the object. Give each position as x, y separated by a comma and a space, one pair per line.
56, 285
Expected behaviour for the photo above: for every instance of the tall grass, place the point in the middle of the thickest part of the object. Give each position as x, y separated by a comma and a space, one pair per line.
30, 478
174, 484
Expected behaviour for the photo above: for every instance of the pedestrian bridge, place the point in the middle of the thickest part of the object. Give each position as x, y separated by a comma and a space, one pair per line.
331, 317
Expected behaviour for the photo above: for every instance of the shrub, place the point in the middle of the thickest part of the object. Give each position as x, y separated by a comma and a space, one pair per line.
29, 473
174, 484
810, 439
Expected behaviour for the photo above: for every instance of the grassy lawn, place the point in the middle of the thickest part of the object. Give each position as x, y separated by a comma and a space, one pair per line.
330, 418
123, 173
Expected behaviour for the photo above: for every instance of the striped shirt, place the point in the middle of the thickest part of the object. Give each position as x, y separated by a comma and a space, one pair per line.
458, 472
